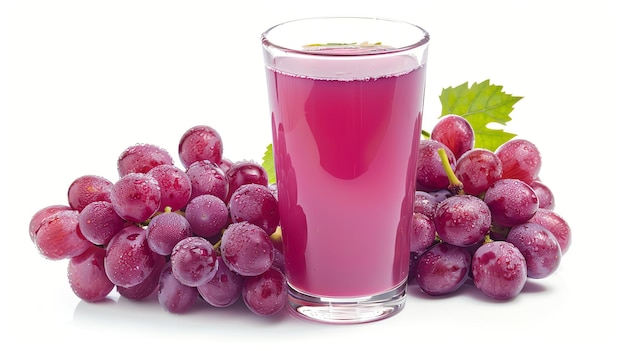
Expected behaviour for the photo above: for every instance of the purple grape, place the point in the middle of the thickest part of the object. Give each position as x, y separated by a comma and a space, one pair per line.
511, 202
165, 231
86, 189
200, 143
128, 259
175, 186
455, 132
141, 158
247, 249
478, 169
245, 172
539, 247
462, 220
430, 172
207, 178
499, 270
98, 222
58, 236
136, 197
255, 204
265, 294
226, 164
279, 260
425, 203
87, 277
174, 296
148, 285
556, 225
37, 219
207, 215
544, 195
441, 195
422, 234
520, 160
194, 261
274, 190
224, 289
443, 269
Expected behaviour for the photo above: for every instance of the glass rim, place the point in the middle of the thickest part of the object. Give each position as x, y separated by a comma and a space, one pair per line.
424, 40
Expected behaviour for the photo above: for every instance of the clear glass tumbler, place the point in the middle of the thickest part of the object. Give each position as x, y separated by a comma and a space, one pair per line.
346, 97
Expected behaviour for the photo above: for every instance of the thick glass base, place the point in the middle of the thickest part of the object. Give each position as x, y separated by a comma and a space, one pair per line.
347, 310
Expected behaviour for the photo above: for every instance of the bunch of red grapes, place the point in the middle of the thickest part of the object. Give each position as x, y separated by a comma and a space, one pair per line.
201, 232
482, 215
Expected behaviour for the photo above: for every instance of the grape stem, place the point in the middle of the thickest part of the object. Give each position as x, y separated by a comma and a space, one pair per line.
277, 237
217, 247
456, 186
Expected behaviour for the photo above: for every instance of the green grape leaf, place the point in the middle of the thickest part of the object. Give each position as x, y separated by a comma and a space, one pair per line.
268, 164
482, 104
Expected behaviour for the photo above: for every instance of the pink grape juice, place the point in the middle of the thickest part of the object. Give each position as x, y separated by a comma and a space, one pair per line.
345, 149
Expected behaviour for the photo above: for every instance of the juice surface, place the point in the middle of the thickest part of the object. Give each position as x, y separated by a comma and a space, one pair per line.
345, 149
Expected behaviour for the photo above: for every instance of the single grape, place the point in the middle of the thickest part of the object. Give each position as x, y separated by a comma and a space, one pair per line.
462, 220
511, 202
499, 270
265, 294
174, 296
136, 197
255, 204
443, 269
441, 195
247, 249
87, 277
425, 203
245, 172
194, 261
413, 257
175, 186
224, 289
98, 222
279, 259
520, 160
478, 169
200, 143
455, 132
225, 164
165, 231
59, 236
207, 178
422, 234
148, 286
274, 190
544, 195
556, 224
539, 247
40, 215
207, 215
141, 158
128, 259
86, 189
430, 172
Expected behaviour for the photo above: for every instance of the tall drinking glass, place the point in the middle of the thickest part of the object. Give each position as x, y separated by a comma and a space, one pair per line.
346, 98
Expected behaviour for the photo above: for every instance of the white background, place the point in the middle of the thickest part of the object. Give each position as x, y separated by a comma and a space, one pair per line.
82, 80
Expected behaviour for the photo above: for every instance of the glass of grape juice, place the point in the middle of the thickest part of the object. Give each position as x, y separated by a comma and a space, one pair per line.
346, 98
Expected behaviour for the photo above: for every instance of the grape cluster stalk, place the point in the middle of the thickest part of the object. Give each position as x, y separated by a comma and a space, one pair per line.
207, 231
482, 216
